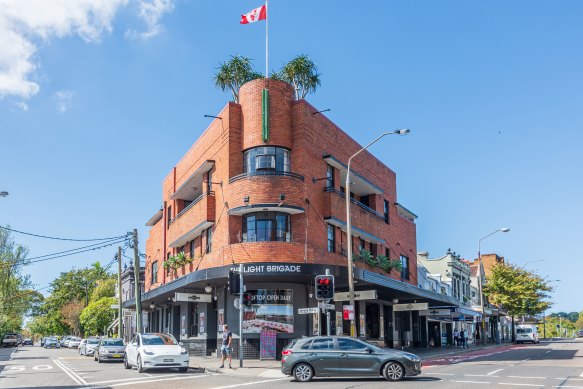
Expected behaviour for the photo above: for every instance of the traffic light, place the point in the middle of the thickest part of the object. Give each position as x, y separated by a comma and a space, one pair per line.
247, 299
234, 283
325, 287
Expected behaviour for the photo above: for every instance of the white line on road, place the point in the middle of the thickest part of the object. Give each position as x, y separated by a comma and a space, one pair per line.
442, 373
70, 374
136, 379
512, 384
581, 375
533, 378
567, 386
250, 383
494, 372
147, 381
524, 360
471, 382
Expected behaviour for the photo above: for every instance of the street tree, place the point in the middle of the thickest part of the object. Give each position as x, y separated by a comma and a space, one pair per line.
233, 73
302, 74
518, 291
97, 316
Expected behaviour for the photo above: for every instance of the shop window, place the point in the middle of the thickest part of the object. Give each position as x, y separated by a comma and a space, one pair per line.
331, 238
154, 279
193, 319
372, 320
266, 158
267, 227
404, 267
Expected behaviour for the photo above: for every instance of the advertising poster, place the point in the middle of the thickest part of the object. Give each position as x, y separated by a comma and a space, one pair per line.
183, 325
382, 327
201, 323
270, 309
221, 319
338, 323
361, 325
315, 324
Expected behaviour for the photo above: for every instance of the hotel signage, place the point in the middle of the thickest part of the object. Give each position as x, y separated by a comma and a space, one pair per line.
193, 297
271, 269
411, 307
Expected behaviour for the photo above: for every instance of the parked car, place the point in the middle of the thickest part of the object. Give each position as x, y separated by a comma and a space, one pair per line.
27, 342
64, 340
341, 356
155, 351
88, 346
10, 340
580, 334
527, 333
73, 342
52, 342
42, 341
110, 349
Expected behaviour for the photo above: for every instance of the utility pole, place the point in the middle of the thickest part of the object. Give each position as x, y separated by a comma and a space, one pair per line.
119, 300
137, 284
241, 290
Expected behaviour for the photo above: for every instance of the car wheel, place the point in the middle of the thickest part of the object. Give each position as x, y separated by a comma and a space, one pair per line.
139, 366
303, 372
182, 369
126, 364
393, 371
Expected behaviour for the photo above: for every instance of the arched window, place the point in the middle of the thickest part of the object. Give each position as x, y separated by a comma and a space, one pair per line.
266, 158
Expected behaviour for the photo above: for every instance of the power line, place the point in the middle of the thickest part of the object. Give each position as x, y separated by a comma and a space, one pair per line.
68, 251
69, 239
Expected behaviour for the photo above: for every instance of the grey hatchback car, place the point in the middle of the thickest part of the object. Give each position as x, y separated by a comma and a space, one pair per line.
341, 356
109, 349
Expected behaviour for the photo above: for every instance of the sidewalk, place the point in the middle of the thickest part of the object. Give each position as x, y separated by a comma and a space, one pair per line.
271, 368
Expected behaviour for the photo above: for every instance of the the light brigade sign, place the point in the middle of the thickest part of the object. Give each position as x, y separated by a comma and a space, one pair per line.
286, 269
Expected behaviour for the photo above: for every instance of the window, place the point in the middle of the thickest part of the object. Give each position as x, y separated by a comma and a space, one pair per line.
192, 248
266, 227
331, 238
360, 244
329, 176
209, 239
386, 208
404, 267
209, 185
373, 249
387, 253
168, 259
154, 272
323, 344
193, 320
349, 344
266, 158
169, 215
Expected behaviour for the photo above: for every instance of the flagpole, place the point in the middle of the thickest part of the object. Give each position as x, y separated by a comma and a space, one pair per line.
266, 39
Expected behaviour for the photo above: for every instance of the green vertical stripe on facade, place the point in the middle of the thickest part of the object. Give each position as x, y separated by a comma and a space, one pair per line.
265, 114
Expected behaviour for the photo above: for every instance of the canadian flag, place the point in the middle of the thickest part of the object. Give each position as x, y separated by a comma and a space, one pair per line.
254, 15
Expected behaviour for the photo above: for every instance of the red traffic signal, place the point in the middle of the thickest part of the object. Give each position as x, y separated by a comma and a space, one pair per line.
325, 287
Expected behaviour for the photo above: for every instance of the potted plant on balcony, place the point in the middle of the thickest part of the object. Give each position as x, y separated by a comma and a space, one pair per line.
388, 265
174, 262
367, 257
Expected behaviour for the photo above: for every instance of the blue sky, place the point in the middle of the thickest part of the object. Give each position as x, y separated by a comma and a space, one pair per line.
95, 112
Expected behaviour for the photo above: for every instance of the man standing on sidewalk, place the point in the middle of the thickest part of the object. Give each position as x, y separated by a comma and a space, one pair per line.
456, 337
226, 346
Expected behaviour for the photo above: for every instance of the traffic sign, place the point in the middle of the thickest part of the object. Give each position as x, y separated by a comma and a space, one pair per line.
358, 295
326, 306
303, 311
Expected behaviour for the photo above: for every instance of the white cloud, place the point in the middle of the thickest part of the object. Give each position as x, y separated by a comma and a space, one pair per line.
151, 12
25, 24
64, 99
21, 105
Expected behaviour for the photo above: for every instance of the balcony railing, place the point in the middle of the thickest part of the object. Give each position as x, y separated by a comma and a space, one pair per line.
356, 202
265, 173
194, 202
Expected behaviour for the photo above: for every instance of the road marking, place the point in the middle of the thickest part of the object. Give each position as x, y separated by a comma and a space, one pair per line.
250, 383
494, 372
509, 383
42, 367
581, 375
567, 386
442, 373
524, 360
146, 381
475, 375
548, 351
135, 379
471, 382
70, 374
534, 378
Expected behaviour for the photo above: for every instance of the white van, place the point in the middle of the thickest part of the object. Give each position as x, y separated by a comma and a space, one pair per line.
527, 333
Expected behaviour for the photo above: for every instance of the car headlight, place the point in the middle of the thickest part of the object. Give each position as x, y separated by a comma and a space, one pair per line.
148, 352
103, 351
183, 351
412, 357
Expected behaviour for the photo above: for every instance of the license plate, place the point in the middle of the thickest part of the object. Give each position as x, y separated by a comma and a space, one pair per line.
168, 360
117, 355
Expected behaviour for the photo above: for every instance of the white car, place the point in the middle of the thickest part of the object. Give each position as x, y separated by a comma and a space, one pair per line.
88, 346
527, 333
155, 351
73, 342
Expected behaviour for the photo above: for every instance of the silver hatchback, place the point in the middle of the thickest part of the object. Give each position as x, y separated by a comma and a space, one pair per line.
341, 356
110, 349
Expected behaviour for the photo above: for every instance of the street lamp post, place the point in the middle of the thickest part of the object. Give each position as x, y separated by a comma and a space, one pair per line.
480, 286
403, 131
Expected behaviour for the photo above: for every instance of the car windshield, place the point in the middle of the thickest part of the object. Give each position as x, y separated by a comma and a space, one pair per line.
75, 339
93, 341
112, 342
158, 340
10, 337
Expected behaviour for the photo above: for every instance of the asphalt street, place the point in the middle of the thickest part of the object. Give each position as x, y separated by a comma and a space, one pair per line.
547, 365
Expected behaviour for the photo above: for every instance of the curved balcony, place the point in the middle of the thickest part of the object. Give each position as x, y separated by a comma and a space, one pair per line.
263, 173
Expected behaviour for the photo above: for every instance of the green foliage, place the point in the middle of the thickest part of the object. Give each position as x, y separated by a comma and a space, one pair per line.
302, 73
234, 73
557, 327
177, 261
579, 322
17, 298
571, 316
366, 257
104, 288
519, 291
97, 316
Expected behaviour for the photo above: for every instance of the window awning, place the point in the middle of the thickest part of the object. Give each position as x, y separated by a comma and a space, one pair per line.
358, 184
404, 212
355, 231
192, 187
190, 235
269, 207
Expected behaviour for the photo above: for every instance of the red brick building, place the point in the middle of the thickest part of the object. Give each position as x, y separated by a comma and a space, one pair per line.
267, 191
